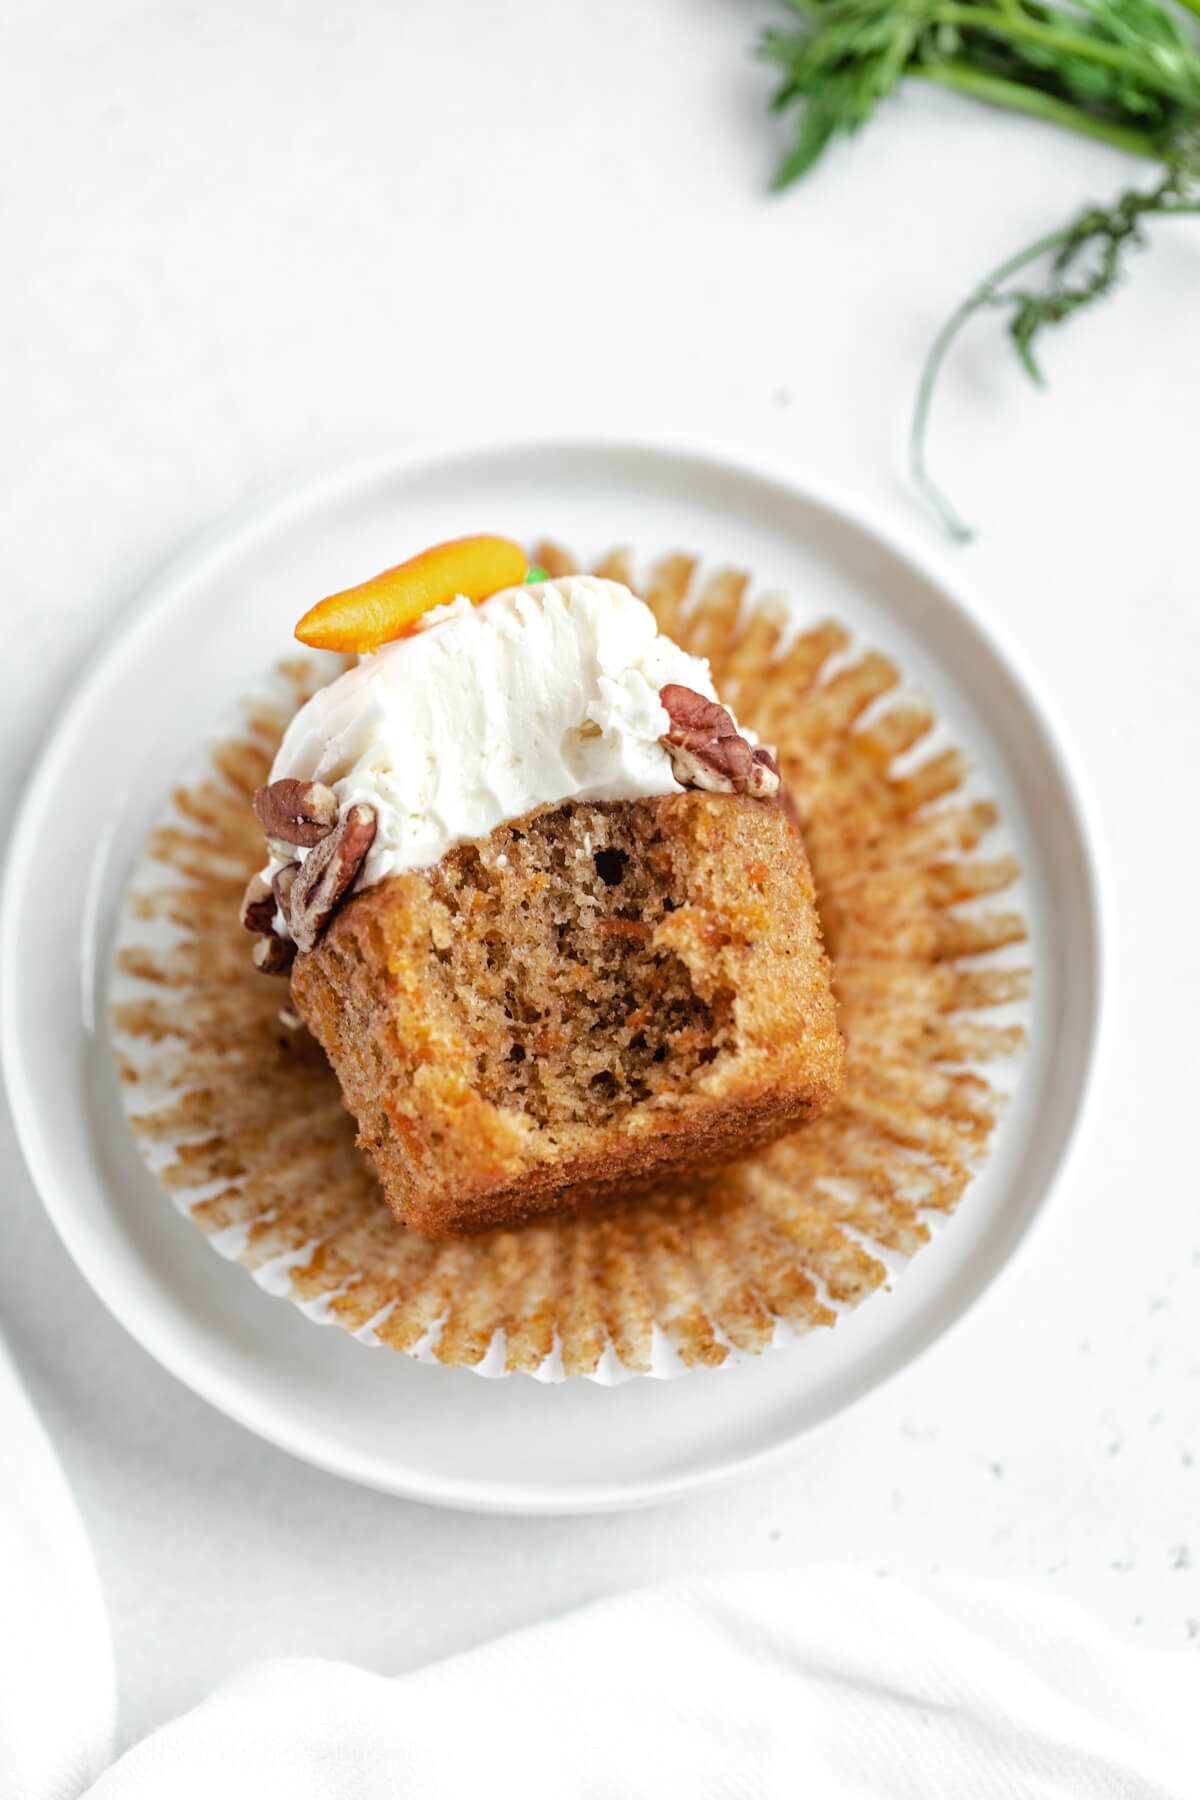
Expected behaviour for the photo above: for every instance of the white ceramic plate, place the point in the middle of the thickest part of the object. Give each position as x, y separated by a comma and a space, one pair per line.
156, 695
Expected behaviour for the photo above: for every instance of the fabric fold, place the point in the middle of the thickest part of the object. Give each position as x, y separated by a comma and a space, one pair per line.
57, 1684
827, 1683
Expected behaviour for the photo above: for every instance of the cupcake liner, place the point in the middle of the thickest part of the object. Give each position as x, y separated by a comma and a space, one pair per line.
241, 1120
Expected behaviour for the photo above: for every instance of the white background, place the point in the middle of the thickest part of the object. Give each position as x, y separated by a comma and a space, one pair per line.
246, 243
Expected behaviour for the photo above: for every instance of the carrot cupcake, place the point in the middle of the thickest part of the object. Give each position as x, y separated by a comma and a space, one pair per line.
540, 900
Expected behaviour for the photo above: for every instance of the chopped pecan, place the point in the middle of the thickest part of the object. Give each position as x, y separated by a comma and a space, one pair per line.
721, 767
764, 778
258, 906
273, 955
326, 875
282, 883
692, 712
707, 751
297, 812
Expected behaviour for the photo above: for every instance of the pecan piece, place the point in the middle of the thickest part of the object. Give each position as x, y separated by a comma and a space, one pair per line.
707, 751
690, 712
258, 906
722, 767
282, 883
764, 778
297, 812
326, 874
273, 955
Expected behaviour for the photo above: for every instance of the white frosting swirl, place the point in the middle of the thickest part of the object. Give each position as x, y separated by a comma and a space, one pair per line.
539, 695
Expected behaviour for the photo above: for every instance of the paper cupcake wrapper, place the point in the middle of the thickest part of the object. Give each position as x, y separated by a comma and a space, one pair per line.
241, 1119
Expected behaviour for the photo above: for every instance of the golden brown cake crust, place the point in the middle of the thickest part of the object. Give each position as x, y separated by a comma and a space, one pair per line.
583, 1005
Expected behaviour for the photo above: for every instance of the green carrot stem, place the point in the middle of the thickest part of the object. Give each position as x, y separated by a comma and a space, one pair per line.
984, 295
962, 79
938, 351
1015, 26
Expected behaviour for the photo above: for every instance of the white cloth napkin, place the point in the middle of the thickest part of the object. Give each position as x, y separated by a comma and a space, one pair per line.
57, 1696
829, 1685
824, 1683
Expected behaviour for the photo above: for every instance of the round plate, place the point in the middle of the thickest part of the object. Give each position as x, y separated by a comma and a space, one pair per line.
162, 687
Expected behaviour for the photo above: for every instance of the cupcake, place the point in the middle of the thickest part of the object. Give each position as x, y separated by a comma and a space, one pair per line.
239, 1114
541, 900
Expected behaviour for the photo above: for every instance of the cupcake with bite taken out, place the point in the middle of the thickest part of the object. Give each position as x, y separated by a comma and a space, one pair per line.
542, 902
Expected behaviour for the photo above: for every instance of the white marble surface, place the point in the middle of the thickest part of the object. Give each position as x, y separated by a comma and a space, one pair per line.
246, 243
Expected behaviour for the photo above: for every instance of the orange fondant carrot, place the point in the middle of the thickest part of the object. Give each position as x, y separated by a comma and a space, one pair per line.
363, 618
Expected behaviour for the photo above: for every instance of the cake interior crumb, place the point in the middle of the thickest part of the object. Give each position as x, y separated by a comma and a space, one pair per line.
543, 939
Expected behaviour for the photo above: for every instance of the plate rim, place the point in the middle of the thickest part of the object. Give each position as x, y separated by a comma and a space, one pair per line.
270, 510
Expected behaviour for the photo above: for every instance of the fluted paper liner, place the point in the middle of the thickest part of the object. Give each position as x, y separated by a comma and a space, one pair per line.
241, 1118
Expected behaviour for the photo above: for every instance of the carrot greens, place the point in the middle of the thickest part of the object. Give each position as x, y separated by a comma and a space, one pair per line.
1126, 72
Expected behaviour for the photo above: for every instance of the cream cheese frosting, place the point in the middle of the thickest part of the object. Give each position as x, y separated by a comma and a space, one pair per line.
536, 696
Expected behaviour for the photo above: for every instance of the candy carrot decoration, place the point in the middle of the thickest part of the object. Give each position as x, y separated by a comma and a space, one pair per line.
362, 618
